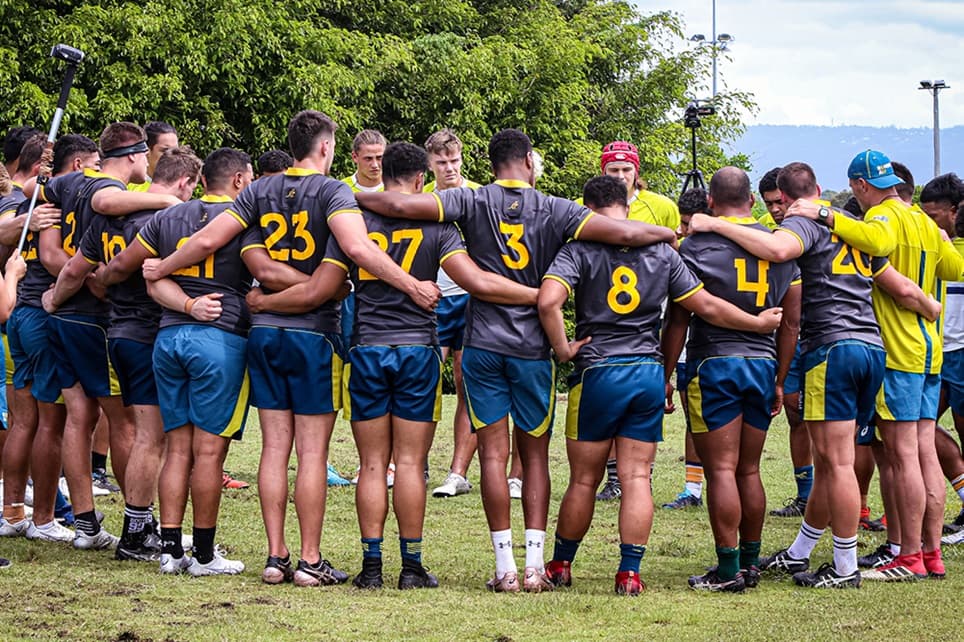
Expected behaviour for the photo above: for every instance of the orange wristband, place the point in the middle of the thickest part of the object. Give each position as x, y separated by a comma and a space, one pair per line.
189, 305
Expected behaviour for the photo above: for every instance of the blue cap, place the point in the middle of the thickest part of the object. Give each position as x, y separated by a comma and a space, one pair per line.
875, 168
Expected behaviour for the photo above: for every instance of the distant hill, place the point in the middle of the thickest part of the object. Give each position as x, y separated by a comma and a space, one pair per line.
829, 149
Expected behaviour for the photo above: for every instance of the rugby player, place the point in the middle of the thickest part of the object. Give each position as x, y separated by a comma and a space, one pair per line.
161, 137
617, 390
199, 366
730, 391
273, 162
908, 399
445, 160
620, 159
78, 331
940, 199
134, 319
37, 429
843, 362
513, 230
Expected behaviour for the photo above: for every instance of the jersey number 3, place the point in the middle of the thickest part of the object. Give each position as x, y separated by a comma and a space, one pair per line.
513, 242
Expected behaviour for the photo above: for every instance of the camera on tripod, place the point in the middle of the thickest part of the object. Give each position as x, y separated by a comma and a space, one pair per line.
695, 111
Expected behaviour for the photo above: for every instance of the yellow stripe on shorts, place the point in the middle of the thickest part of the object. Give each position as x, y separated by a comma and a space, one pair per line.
572, 412
815, 392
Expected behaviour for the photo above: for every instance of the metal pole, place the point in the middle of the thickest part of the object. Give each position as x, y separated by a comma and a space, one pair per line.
715, 44
937, 132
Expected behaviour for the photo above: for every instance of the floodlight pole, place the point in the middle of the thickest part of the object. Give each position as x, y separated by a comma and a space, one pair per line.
934, 87
719, 43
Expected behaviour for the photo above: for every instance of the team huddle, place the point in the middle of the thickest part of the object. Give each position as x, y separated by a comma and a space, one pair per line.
304, 296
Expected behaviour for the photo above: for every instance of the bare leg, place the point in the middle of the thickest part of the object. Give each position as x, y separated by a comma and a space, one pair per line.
634, 459
534, 453
412, 441
209, 453
312, 436
466, 441
176, 475
936, 491
373, 438
493, 457
277, 438
46, 460
587, 461
144, 464
902, 451
120, 418
81, 419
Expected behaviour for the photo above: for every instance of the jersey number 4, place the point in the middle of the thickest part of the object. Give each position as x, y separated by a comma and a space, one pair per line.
412, 237
760, 287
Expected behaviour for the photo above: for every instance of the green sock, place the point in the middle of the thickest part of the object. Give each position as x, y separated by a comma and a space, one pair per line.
749, 554
729, 562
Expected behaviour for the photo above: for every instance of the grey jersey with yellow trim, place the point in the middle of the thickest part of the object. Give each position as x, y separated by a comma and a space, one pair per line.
619, 294
751, 284
837, 282
287, 214
223, 272
134, 314
515, 231
384, 315
73, 193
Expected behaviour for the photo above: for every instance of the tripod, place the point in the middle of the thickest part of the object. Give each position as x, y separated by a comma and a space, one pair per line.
694, 177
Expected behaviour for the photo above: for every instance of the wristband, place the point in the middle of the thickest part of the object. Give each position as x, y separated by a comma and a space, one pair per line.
189, 305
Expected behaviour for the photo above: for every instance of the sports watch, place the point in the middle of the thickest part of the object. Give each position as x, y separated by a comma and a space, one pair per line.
823, 214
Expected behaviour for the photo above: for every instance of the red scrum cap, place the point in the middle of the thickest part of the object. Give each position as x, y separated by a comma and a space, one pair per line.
620, 151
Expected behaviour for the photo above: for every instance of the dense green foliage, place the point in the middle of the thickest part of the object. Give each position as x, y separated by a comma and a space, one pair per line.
574, 74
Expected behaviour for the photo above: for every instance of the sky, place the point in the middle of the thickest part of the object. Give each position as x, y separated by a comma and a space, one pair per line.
836, 62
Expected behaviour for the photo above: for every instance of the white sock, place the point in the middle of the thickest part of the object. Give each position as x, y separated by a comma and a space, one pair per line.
894, 549
535, 543
806, 540
845, 555
694, 488
504, 561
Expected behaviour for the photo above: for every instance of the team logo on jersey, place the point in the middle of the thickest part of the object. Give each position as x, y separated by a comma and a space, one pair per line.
513, 206
291, 194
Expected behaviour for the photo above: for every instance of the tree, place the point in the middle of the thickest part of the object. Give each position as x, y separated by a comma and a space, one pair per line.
572, 74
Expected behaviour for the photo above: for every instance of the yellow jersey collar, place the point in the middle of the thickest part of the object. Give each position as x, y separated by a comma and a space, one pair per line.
93, 173
513, 183
300, 171
216, 198
739, 220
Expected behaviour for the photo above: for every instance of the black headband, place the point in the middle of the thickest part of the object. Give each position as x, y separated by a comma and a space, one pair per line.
137, 148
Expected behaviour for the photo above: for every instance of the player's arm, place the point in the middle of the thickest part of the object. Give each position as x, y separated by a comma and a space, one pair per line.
44, 215
124, 264
553, 294
202, 244
416, 207
275, 275
724, 314
787, 335
114, 201
907, 294
486, 286
352, 236
168, 294
52, 254
325, 283
16, 268
876, 236
70, 280
768, 246
632, 233
950, 263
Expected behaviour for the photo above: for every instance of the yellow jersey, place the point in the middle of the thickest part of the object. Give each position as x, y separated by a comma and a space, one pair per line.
653, 208
913, 243
139, 187
430, 187
352, 182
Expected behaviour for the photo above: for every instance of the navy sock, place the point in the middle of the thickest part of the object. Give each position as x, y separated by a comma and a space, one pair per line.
630, 555
565, 549
371, 547
803, 475
411, 549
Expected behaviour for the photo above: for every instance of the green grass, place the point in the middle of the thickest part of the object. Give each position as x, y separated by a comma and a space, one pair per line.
53, 592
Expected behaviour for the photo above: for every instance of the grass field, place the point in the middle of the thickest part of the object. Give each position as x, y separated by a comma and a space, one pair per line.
52, 592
